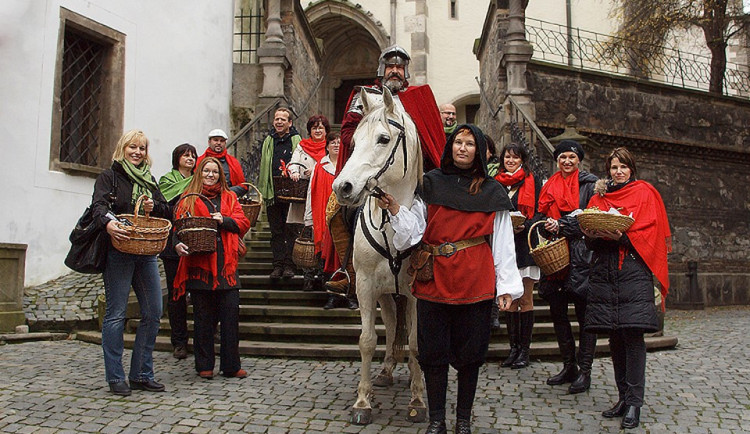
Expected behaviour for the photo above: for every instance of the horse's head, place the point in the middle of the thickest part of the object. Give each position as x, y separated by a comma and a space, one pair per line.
386, 152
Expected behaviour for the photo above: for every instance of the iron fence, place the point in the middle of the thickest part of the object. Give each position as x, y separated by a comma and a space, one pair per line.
249, 31
583, 49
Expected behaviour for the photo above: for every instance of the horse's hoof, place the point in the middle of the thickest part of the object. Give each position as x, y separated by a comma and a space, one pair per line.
361, 416
417, 414
382, 380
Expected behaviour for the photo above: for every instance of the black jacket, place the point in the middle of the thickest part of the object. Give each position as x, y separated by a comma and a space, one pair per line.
106, 197
577, 280
620, 297
523, 257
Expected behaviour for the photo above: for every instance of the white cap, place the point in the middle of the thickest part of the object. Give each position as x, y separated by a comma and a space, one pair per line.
217, 133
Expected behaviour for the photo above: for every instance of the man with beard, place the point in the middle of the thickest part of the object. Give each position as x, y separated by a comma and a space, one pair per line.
419, 103
448, 114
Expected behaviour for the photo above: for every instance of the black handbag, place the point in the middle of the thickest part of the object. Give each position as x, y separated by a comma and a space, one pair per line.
89, 242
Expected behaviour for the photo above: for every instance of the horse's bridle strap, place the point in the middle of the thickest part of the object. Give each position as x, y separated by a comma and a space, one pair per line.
391, 158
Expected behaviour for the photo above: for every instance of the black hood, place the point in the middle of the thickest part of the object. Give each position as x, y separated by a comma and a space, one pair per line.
446, 161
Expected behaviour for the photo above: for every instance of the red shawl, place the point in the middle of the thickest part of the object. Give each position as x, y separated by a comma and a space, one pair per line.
320, 192
316, 150
650, 234
236, 175
525, 193
204, 267
559, 195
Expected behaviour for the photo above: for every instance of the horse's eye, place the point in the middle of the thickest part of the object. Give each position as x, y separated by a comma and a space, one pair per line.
383, 140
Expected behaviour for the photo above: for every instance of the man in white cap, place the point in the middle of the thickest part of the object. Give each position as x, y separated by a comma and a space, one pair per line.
217, 148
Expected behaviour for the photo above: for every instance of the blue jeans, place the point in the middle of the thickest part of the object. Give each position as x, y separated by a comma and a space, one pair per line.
142, 273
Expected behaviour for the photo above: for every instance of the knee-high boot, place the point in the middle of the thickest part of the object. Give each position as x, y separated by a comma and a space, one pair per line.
342, 242
511, 320
525, 330
567, 344
586, 349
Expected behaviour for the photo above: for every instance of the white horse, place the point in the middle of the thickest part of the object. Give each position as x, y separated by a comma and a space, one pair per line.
387, 155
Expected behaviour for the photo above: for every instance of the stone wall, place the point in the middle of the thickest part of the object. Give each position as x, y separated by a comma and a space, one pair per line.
304, 71
692, 146
491, 73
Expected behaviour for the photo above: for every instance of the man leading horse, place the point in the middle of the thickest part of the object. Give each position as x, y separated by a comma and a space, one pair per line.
419, 103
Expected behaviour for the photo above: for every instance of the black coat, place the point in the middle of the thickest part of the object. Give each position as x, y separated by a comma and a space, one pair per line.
102, 201
577, 280
619, 297
523, 257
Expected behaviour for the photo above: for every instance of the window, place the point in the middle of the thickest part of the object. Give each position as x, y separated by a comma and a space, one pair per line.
88, 104
454, 9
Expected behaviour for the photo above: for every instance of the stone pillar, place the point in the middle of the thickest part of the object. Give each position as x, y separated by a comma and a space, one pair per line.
272, 54
517, 53
416, 25
12, 272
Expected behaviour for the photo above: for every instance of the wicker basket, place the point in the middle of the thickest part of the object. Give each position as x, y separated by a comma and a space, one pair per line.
303, 253
604, 221
286, 190
250, 206
147, 236
517, 220
198, 233
552, 257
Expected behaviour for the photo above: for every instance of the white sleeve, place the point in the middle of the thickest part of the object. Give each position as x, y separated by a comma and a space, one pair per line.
508, 279
308, 208
296, 158
409, 224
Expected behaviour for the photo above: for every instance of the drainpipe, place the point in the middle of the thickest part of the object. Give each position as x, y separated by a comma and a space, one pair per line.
569, 25
393, 21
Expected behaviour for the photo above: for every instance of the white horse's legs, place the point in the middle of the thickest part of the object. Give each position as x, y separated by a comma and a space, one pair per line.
417, 407
362, 411
388, 314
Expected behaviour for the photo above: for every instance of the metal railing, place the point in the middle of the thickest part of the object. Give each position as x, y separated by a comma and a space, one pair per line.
524, 130
247, 144
583, 49
249, 32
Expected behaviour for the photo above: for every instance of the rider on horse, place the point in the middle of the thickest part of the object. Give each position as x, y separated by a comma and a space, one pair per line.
419, 103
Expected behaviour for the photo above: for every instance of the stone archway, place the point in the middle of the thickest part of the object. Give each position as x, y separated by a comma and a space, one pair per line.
351, 44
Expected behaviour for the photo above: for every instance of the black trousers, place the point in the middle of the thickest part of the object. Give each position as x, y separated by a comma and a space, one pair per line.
282, 234
629, 361
558, 307
456, 335
177, 309
209, 308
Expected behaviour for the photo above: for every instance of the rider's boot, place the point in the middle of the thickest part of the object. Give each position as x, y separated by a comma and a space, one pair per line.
341, 242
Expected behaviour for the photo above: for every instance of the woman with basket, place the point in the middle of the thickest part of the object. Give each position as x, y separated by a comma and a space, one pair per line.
621, 301
523, 188
212, 278
117, 191
310, 152
566, 191
171, 185
464, 223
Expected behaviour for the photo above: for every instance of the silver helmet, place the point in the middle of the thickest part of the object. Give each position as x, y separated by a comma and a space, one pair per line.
393, 55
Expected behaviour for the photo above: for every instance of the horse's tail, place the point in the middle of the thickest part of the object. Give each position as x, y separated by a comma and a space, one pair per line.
402, 331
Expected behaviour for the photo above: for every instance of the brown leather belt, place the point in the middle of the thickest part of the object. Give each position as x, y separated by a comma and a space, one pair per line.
448, 249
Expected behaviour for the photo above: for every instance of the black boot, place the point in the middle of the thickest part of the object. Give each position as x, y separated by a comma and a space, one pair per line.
618, 410
632, 417
567, 344
525, 330
586, 349
495, 317
511, 320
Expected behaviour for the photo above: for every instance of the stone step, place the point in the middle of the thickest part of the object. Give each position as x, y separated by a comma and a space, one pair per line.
497, 350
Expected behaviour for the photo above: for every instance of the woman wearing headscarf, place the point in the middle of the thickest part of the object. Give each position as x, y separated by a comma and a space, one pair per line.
212, 278
463, 219
567, 192
523, 188
621, 301
115, 192
171, 185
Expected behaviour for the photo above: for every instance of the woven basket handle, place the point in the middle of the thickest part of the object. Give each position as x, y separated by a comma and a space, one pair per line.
137, 210
176, 206
528, 236
260, 196
298, 164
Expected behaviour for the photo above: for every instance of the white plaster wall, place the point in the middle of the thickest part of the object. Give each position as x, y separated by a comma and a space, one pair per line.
177, 87
591, 15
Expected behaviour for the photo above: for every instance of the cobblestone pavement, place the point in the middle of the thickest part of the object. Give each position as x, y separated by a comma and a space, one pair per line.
701, 387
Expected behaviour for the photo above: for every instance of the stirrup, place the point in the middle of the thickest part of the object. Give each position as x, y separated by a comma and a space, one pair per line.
348, 280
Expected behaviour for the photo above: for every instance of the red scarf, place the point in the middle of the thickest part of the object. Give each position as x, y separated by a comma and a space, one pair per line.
525, 193
559, 195
204, 267
320, 191
236, 175
650, 234
316, 150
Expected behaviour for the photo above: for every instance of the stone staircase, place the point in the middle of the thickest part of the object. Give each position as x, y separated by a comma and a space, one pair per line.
278, 319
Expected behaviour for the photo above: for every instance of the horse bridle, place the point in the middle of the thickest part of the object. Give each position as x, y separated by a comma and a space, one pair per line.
401, 140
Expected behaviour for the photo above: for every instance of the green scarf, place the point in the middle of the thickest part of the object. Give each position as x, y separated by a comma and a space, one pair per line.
493, 169
449, 130
143, 182
265, 180
172, 184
